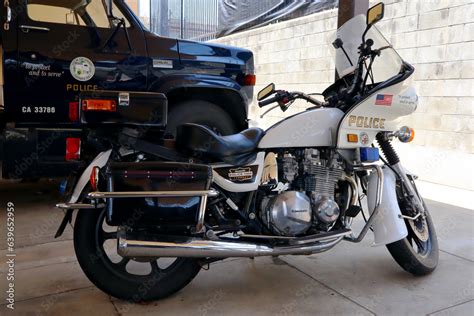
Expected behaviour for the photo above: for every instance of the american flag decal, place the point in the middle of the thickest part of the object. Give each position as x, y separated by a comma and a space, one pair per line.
384, 99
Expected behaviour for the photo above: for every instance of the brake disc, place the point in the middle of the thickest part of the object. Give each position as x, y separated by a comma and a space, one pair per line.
420, 228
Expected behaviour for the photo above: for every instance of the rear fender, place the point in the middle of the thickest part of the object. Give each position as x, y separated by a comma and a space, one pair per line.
99, 161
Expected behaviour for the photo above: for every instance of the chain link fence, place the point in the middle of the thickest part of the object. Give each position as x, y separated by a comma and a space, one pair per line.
186, 19
207, 19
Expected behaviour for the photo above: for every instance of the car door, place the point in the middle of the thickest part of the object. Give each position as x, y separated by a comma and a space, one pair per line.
66, 47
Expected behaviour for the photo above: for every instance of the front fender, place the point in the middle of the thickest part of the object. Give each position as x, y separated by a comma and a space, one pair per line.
166, 84
389, 225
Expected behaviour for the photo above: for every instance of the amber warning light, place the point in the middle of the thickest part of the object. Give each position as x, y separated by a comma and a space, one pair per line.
99, 105
248, 80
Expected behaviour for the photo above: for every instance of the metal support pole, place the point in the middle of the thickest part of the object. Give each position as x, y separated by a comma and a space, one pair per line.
182, 19
350, 8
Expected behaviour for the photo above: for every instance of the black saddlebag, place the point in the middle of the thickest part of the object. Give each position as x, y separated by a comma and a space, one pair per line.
164, 212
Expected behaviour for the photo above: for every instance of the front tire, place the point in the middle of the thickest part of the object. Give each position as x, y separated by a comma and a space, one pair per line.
111, 273
415, 255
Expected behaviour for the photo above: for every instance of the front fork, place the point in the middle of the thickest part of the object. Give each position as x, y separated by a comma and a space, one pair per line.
411, 194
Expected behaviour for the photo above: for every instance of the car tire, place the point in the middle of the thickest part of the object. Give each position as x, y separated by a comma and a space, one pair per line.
201, 112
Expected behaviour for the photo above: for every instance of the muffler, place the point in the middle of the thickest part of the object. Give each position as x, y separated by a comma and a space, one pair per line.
128, 246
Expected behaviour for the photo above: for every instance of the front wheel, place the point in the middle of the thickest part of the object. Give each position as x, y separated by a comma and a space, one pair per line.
133, 279
418, 252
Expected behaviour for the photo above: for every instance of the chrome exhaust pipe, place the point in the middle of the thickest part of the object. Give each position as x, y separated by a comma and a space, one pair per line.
201, 248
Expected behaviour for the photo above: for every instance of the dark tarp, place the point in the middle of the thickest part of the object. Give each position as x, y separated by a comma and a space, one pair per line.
239, 15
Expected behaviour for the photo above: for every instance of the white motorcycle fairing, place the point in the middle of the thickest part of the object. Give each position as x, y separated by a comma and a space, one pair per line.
379, 112
310, 128
389, 226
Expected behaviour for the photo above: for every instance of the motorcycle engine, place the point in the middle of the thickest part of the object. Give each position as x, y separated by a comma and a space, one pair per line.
309, 201
288, 213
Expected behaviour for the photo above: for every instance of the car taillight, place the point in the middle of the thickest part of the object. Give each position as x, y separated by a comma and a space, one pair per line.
248, 80
73, 111
73, 149
99, 105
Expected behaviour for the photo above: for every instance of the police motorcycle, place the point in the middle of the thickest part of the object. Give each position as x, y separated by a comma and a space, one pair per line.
150, 217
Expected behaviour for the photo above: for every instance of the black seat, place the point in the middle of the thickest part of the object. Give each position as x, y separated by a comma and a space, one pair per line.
237, 149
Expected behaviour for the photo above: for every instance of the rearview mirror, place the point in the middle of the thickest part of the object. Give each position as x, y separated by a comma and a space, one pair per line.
375, 14
265, 92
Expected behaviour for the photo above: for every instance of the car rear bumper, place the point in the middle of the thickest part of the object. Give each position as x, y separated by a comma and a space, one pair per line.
37, 153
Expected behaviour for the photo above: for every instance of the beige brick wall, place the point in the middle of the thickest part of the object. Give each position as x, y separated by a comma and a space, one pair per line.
436, 36
295, 55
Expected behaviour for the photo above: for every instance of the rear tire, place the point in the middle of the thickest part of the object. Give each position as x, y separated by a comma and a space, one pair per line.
201, 112
412, 254
112, 277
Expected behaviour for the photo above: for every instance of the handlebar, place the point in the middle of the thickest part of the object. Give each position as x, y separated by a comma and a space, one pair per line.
284, 97
310, 99
268, 101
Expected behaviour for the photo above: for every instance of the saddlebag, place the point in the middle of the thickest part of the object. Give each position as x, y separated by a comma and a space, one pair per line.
152, 177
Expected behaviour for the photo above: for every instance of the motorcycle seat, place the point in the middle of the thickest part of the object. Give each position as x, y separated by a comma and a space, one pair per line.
201, 141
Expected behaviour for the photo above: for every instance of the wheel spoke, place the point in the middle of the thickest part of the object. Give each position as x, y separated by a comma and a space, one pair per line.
109, 235
420, 245
123, 263
154, 267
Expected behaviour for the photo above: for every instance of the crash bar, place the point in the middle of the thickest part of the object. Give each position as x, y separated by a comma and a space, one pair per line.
79, 206
378, 201
151, 194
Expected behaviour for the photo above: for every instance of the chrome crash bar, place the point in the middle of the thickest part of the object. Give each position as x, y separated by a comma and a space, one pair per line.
80, 206
378, 200
151, 194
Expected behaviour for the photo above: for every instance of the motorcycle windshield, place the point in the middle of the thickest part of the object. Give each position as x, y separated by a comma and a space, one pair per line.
385, 66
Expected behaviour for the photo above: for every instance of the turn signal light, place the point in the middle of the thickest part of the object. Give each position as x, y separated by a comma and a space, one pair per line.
352, 138
406, 134
248, 80
99, 105
73, 149
95, 178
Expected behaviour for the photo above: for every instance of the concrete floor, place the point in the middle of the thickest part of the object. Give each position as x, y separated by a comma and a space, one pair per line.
349, 280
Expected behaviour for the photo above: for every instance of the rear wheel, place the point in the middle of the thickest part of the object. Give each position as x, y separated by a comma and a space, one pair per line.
418, 252
201, 112
133, 279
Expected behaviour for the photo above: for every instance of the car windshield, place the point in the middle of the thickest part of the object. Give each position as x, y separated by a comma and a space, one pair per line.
141, 9
385, 66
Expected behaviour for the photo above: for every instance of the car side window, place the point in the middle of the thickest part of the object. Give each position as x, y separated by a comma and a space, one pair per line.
73, 12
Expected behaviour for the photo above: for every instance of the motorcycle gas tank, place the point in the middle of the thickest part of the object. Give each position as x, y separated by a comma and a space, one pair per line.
311, 128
